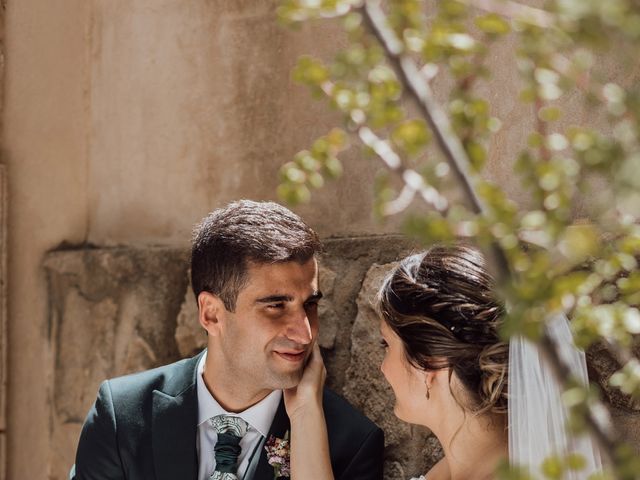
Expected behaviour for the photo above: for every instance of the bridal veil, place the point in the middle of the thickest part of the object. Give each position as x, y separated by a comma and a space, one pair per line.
537, 415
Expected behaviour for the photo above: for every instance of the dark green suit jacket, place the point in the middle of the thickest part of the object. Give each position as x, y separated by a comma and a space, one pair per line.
143, 427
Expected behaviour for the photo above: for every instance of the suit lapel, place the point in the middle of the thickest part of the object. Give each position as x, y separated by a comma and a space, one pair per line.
279, 427
174, 427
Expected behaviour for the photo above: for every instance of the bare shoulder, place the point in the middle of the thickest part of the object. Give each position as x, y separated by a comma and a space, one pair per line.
440, 471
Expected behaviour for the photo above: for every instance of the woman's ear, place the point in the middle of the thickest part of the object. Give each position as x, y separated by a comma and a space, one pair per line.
211, 313
428, 377
435, 381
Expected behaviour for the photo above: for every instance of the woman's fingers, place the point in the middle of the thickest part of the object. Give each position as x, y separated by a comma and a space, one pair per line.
316, 366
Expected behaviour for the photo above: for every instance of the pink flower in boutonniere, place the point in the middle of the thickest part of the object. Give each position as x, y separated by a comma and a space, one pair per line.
278, 455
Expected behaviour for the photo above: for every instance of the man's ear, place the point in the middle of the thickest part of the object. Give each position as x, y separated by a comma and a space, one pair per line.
211, 313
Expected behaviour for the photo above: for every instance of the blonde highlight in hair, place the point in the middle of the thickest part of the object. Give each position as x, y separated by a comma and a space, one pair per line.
442, 306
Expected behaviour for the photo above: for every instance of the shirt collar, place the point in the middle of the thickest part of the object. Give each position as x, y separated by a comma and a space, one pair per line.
259, 416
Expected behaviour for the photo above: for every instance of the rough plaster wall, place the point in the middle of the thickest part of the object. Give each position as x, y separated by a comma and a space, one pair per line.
3, 272
44, 147
192, 106
3, 321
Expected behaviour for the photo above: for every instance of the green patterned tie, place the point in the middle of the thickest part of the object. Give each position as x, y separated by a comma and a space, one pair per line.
227, 449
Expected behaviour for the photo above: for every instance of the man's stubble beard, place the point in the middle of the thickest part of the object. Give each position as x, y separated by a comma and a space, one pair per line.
261, 376
282, 381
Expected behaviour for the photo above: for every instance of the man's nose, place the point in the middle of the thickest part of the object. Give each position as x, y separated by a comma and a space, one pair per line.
299, 329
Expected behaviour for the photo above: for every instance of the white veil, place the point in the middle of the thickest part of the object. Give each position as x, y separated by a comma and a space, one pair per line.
537, 416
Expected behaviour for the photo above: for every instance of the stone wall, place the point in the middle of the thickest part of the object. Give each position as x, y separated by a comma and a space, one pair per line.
120, 310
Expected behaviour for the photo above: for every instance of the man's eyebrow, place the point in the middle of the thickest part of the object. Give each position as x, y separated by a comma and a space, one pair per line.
314, 297
274, 299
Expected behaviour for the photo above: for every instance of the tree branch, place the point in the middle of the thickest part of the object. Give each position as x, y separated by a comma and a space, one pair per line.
414, 182
438, 120
596, 416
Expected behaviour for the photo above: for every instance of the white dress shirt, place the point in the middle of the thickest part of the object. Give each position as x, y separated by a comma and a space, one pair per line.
259, 417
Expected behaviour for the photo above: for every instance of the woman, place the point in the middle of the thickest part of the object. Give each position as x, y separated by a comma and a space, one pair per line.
485, 400
444, 359
449, 371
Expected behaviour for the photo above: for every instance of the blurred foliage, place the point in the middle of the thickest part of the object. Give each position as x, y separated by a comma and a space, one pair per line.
574, 247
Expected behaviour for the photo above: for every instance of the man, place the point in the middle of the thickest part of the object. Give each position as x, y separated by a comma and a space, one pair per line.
255, 278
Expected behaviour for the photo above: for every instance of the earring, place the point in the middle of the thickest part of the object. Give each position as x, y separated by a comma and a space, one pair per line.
428, 394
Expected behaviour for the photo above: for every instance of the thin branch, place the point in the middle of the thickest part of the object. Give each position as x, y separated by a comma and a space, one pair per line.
414, 182
436, 117
412, 179
596, 416
400, 203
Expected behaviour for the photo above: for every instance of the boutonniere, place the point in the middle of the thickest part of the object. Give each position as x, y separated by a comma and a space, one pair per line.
278, 455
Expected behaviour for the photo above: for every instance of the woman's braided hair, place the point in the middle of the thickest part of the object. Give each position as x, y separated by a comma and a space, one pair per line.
441, 303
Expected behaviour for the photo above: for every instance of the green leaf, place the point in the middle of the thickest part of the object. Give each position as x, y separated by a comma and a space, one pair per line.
310, 71
492, 24
412, 136
552, 468
477, 154
550, 114
575, 461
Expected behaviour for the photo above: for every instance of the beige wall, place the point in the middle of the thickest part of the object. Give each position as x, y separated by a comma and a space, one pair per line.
124, 123
191, 105
45, 146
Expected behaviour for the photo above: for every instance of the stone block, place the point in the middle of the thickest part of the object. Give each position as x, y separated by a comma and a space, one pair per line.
410, 450
190, 336
602, 365
628, 425
113, 312
329, 318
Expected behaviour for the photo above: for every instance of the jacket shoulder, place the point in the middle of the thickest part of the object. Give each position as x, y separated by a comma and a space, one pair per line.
171, 379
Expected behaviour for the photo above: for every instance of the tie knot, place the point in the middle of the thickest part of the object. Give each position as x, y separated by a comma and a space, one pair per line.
227, 449
229, 424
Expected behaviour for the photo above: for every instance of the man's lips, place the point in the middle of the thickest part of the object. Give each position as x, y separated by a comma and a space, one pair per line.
291, 356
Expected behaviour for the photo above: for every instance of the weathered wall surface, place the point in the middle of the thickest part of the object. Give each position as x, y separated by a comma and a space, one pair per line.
192, 106
120, 310
44, 148
112, 312
124, 122
3, 272
3, 321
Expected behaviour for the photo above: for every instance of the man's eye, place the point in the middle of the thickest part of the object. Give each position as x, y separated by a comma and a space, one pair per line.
276, 306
